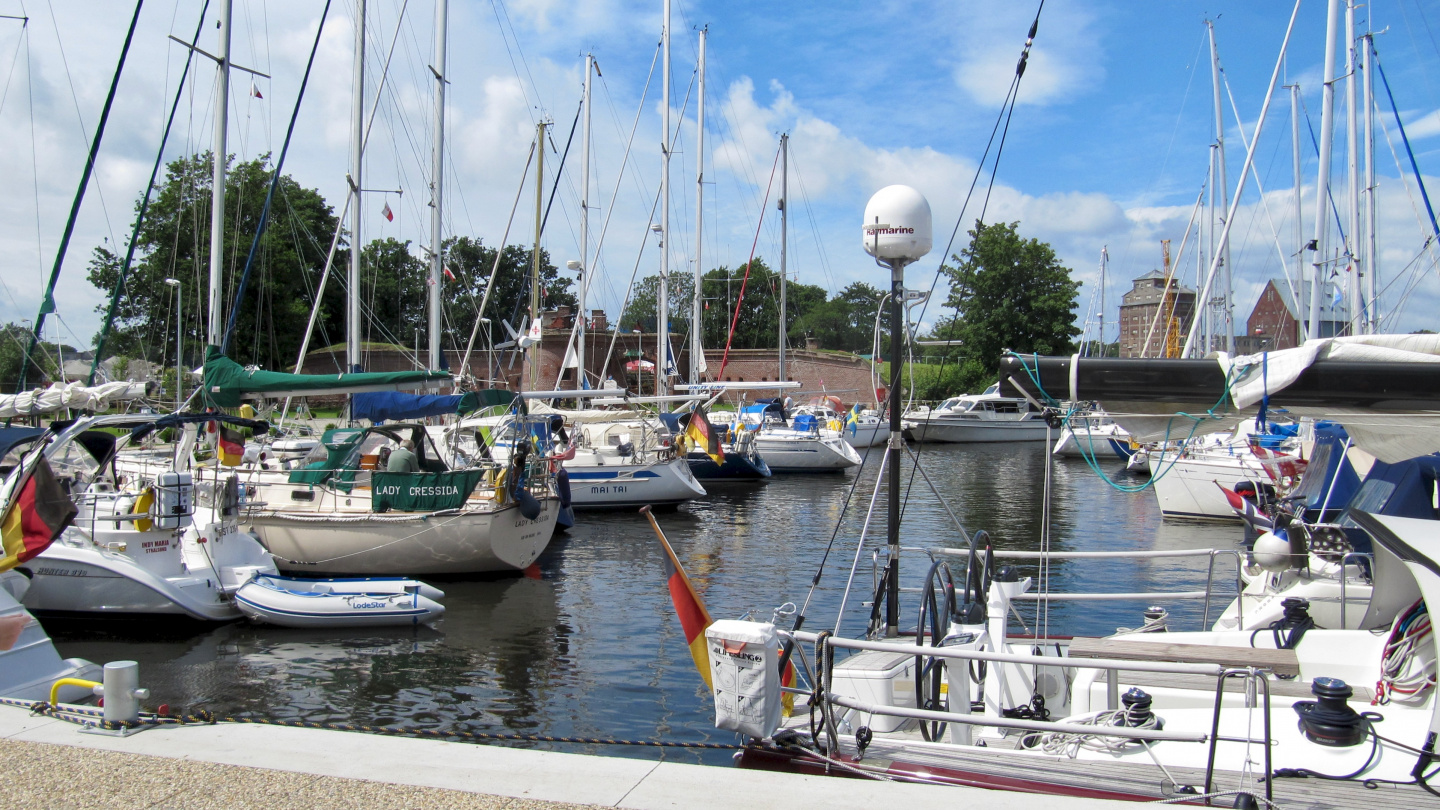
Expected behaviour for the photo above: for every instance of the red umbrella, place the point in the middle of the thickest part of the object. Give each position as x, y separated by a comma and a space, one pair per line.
639, 365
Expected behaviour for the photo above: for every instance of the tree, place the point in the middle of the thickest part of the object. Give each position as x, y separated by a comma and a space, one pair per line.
14, 340
471, 262
174, 242
1008, 293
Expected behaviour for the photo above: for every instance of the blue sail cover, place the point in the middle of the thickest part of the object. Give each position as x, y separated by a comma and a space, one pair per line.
379, 406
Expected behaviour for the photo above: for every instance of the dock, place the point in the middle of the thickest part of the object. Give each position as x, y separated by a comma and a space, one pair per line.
52, 763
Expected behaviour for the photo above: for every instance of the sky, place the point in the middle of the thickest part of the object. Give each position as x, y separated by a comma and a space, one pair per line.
1108, 145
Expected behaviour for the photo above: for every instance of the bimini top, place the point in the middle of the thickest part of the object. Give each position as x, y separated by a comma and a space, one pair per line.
227, 382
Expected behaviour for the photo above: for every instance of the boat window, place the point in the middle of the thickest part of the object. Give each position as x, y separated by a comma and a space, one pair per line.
1373, 496
432, 460
72, 460
993, 390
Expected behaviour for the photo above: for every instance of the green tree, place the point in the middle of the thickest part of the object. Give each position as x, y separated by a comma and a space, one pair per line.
471, 261
1008, 293
14, 340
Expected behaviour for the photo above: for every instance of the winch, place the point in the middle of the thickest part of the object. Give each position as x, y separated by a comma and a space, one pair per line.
1329, 720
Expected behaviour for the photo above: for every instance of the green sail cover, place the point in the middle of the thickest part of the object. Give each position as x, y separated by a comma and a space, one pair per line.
227, 382
422, 492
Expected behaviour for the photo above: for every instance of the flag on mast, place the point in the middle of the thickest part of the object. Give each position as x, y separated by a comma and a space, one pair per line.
255, 91
702, 436
389, 215
694, 618
36, 515
446, 269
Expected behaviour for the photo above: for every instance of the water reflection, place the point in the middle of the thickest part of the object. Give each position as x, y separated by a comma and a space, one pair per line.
592, 647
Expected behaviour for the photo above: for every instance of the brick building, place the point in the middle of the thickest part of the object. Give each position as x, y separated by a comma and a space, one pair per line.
1275, 323
1138, 310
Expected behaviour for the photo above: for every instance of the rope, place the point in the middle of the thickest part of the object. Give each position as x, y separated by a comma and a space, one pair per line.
203, 717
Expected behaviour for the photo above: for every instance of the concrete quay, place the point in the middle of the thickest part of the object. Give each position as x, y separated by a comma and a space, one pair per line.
52, 764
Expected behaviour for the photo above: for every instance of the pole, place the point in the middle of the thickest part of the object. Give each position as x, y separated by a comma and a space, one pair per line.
584, 231
357, 164
217, 176
1352, 161
179, 346
1206, 308
1104, 260
1223, 185
894, 446
535, 253
1296, 291
1371, 270
1322, 186
697, 332
437, 186
662, 326
784, 216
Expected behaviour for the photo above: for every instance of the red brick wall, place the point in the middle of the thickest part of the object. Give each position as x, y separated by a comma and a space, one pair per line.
1272, 320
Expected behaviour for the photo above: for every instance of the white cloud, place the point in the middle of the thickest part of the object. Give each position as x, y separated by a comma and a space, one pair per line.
1064, 58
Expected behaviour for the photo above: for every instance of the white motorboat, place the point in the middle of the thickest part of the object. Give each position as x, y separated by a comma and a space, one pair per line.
345, 514
984, 417
358, 602
167, 545
612, 459
1092, 434
804, 444
29, 663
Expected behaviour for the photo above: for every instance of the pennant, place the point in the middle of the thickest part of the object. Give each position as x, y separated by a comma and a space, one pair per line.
694, 618
1245, 508
446, 269
701, 436
36, 516
387, 213
231, 447
255, 91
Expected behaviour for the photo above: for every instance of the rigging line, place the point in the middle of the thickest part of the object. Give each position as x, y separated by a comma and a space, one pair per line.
620, 317
1330, 192
145, 200
47, 303
815, 228
500, 26
499, 251
1405, 182
1404, 139
21, 40
238, 299
764, 205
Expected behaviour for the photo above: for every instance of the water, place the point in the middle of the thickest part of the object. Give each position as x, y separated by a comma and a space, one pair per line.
591, 647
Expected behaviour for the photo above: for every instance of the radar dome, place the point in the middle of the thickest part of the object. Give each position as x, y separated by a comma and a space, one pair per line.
897, 224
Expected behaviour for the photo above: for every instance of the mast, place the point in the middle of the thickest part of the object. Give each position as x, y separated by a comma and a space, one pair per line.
1371, 305
217, 175
1223, 185
662, 327
1322, 186
1352, 155
534, 358
1299, 201
437, 180
357, 145
697, 333
584, 231
1104, 260
784, 215
1206, 308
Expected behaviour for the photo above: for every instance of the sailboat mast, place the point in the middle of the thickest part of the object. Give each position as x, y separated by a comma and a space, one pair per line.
217, 176
357, 145
584, 231
534, 359
1371, 305
697, 332
1352, 155
1104, 260
1223, 185
437, 180
1299, 197
662, 327
1322, 186
784, 216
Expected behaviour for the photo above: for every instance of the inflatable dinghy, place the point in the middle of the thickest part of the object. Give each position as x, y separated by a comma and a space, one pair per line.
361, 602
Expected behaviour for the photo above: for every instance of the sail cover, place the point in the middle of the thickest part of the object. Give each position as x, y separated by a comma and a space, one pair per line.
227, 382
73, 395
378, 406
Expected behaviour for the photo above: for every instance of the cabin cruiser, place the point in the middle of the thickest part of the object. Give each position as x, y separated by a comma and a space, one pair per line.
802, 444
983, 417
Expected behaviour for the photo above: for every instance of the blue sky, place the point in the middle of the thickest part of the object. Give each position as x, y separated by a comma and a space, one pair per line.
1108, 145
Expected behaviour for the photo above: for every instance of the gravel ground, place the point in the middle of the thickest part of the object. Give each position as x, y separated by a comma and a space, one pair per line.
47, 777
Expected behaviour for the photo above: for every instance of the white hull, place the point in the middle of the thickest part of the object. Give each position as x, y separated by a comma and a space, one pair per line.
973, 431
1187, 489
1092, 443
805, 453
30, 665
618, 485
331, 543
867, 435
385, 602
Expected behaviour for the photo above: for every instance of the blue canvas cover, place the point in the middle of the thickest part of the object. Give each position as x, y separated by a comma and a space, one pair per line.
380, 406
1330, 481
1403, 489
12, 436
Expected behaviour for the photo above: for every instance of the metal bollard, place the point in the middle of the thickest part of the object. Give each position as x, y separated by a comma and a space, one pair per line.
122, 693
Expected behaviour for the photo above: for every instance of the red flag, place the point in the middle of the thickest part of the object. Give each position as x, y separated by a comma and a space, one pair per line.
37, 515
448, 274
255, 91
1245, 508
389, 215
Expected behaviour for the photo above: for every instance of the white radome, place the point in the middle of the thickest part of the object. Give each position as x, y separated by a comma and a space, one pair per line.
897, 224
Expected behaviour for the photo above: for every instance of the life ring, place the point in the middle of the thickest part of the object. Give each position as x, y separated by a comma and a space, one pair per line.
142, 506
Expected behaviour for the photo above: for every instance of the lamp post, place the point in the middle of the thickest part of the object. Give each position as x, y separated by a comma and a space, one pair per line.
179, 352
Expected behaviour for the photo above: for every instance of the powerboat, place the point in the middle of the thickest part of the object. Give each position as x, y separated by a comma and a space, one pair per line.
800, 445
984, 417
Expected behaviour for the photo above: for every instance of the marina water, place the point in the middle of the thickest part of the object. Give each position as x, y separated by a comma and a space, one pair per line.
588, 643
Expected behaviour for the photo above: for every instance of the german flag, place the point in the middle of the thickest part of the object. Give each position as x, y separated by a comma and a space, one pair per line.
36, 515
231, 446
702, 436
694, 618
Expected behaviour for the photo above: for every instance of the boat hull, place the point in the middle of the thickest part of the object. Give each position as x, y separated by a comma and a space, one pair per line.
1185, 486
626, 486
737, 467
364, 544
867, 435
812, 454
976, 431
288, 602
30, 664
